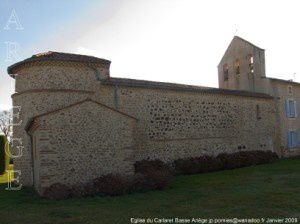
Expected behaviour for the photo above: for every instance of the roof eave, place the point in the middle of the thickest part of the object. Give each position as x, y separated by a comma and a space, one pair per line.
35, 59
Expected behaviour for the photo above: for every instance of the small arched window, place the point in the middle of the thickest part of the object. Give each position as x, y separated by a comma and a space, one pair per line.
251, 63
237, 66
225, 72
290, 90
258, 115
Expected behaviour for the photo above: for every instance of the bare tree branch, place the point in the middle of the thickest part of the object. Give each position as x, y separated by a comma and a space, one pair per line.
6, 123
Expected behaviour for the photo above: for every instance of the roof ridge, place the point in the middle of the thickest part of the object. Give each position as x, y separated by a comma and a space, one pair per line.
247, 42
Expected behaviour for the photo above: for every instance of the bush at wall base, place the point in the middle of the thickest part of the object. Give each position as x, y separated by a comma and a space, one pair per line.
111, 185
157, 175
223, 161
57, 191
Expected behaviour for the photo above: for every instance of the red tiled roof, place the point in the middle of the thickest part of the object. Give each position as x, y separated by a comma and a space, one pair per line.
57, 56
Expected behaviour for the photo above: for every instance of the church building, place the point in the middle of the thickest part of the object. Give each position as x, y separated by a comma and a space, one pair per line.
78, 123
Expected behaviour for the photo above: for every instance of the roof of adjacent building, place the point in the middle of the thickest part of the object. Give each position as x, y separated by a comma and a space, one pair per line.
283, 80
56, 56
178, 87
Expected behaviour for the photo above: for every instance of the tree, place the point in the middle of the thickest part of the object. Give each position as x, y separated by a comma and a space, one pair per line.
5, 135
2, 154
6, 124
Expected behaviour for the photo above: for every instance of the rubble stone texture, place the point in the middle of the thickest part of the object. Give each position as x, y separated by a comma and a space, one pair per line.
78, 123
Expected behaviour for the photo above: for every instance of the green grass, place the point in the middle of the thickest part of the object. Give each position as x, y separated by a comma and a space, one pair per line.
4, 178
271, 190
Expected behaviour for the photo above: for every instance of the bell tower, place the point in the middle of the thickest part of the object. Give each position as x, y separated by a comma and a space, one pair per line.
243, 67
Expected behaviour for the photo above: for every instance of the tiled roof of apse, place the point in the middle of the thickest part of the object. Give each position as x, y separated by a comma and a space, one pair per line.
57, 56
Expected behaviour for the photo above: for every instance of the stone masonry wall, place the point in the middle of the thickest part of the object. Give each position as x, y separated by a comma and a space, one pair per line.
40, 89
177, 124
171, 124
83, 142
33, 104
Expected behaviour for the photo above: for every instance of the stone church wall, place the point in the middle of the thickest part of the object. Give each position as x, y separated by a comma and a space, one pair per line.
82, 142
40, 89
179, 124
170, 124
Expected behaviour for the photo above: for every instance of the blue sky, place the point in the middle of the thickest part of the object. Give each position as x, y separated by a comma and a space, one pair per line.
178, 41
41, 20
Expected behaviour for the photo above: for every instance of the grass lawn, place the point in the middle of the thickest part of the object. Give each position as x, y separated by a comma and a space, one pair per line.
271, 190
4, 177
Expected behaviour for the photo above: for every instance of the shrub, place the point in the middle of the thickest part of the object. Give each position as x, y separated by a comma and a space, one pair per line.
247, 158
152, 180
57, 191
83, 190
157, 180
234, 160
201, 164
137, 182
265, 157
149, 166
151, 175
111, 185
2, 154
223, 161
157, 175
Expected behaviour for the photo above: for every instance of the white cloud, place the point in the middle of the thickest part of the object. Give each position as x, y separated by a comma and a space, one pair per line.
5, 107
85, 51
